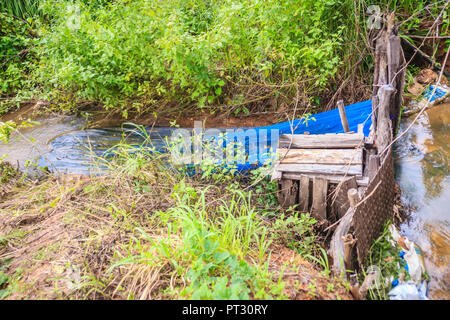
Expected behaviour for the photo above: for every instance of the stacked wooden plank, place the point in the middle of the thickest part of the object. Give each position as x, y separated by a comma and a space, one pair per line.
308, 164
330, 156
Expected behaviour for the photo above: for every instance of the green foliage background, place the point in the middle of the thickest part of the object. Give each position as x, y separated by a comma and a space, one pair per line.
143, 54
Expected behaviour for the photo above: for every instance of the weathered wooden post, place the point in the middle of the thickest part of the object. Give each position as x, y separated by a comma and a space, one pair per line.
342, 242
383, 133
389, 70
343, 116
373, 165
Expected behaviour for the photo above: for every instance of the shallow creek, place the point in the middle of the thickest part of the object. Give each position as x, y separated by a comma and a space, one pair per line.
421, 166
422, 172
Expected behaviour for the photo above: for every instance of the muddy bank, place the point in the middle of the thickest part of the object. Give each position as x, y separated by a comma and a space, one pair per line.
97, 117
100, 238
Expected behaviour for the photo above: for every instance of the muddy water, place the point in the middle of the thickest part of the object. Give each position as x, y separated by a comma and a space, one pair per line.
35, 141
60, 146
423, 173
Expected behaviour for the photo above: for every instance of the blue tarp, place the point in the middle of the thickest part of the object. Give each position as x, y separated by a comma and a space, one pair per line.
325, 122
330, 121
70, 152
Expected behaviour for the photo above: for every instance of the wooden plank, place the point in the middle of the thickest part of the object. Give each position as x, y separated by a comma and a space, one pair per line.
325, 156
337, 244
276, 175
360, 180
326, 169
287, 193
384, 126
353, 197
373, 165
341, 202
321, 141
319, 203
303, 194
343, 116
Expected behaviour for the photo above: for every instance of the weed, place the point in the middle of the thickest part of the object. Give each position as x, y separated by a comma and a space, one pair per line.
387, 257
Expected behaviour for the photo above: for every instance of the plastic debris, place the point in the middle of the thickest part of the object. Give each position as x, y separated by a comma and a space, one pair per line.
405, 291
430, 96
440, 92
414, 266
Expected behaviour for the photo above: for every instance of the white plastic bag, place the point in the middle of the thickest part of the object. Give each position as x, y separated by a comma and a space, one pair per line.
404, 291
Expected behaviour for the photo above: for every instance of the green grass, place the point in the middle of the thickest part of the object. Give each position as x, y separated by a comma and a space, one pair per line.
20, 8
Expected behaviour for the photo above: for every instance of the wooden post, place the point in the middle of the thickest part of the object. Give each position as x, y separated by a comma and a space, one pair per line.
319, 203
343, 116
337, 250
342, 243
349, 243
389, 61
303, 194
353, 197
373, 165
384, 126
361, 128
354, 286
367, 283
287, 193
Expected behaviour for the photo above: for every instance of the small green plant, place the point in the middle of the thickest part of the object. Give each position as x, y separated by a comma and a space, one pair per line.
17, 42
296, 232
6, 128
306, 118
330, 287
387, 257
322, 260
4, 291
312, 288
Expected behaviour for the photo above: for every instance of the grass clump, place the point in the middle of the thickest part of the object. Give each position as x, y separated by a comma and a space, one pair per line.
387, 258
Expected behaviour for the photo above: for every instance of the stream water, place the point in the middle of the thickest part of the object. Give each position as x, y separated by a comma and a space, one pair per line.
422, 172
421, 165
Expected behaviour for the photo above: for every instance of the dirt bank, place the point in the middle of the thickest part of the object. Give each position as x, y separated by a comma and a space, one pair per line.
97, 238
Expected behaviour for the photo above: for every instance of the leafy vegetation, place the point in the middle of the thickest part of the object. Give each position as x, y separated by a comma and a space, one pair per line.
137, 52
16, 56
387, 258
233, 56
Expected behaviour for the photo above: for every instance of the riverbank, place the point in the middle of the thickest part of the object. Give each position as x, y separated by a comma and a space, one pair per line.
24, 223
140, 232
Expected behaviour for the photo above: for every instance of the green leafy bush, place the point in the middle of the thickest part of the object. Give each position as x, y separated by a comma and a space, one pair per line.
16, 56
189, 52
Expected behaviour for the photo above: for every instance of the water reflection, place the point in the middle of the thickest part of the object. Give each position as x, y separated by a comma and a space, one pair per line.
422, 171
